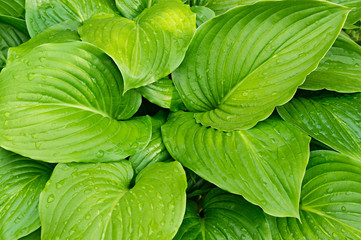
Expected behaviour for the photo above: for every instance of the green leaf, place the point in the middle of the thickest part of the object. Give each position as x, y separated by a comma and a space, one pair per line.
355, 35
95, 201
355, 5
148, 48
14, 8
163, 94
60, 103
42, 14
203, 14
339, 70
33, 236
244, 63
132, 8
59, 33
332, 119
21, 181
265, 164
10, 36
221, 6
223, 216
155, 151
331, 201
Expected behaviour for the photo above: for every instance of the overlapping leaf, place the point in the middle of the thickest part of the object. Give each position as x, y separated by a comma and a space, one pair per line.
203, 14
265, 164
14, 8
355, 5
163, 94
155, 151
339, 70
330, 203
245, 62
96, 201
333, 119
11, 35
223, 216
21, 181
132, 8
42, 14
148, 48
33, 236
60, 102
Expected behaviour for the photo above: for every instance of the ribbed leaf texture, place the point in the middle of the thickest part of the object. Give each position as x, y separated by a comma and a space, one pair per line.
223, 216
95, 201
242, 64
147, 48
331, 201
21, 181
339, 70
60, 103
332, 119
265, 164
42, 14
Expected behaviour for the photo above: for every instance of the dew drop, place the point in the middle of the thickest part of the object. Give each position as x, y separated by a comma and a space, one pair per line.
100, 154
343, 208
51, 198
6, 115
42, 59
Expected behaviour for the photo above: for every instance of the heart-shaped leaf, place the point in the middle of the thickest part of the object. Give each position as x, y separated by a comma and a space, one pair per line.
14, 8
163, 94
95, 201
330, 203
332, 119
148, 48
265, 164
10, 36
21, 181
42, 14
60, 103
244, 63
155, 151
223, 216
339, 70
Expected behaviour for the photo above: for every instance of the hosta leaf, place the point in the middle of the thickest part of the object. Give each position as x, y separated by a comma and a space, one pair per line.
355, 5
163, 94
60, 103
223, 216
132, 8
95, 201
42, 14
331, 201
21, 181
265, 164
155, 151
331, 119
203, 14
59, 33
10, 36
14, 8
339, 70
221, 6
148, 48
242, 64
